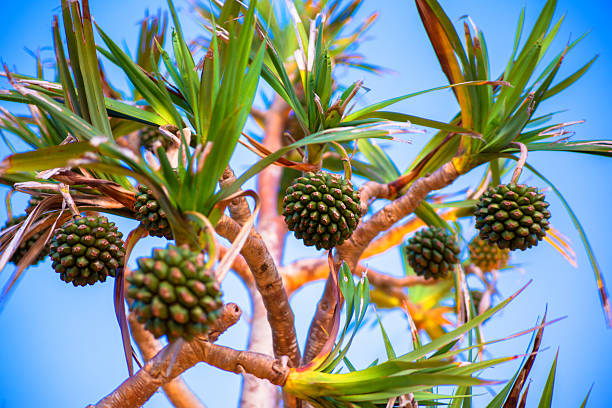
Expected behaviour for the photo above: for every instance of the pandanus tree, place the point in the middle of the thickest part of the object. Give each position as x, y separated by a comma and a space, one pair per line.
161, 155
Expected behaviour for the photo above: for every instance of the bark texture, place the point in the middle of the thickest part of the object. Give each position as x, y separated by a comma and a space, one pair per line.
255, 391
176, 390
270, 224
175, 358
273, 230
270, 284
351, 250
321, 324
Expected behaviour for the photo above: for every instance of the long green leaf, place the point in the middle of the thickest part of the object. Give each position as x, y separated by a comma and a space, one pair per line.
450, 336
45, 158
561, 86
416, 120
145, 85
596, 147
547, 393
379, 159
360, 114
388, 346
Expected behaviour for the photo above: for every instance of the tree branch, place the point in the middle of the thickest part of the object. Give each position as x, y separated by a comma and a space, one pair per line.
371, 191
176, 390
304, 271
166, 366
239, 266
396, 235
255, 392
263, 252
270, 285
239, 208
351, 250
321, 324
270, 224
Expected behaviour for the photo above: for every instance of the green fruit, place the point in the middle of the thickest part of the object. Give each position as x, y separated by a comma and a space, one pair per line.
86, 250
432, 252
486, 256
25, 245
150, 214
322, 209
174, 294
512, 216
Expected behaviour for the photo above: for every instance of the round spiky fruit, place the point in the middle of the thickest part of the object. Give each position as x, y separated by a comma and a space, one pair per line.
432, 252
513, 216
86, 250
150, 214
26, 244
174, 294
486, 256
322, 209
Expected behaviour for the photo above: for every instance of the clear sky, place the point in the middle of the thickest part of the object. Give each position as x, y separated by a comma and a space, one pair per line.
60, 346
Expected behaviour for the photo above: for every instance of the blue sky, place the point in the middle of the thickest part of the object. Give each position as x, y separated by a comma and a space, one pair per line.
60, 346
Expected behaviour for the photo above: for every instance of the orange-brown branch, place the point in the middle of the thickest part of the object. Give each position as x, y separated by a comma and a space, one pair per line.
321, 324
166, 365
352, 249
272, 228
239, 266
239, 208
304, 271
395, 236
177, 391
255, 392
373, 190
270, 285
270, 224
399, 208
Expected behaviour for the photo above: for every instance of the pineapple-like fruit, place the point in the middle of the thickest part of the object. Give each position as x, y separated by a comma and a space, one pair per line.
86, 250
150, 214
323, 209
432, 252
174, 294
512, 216
486, 256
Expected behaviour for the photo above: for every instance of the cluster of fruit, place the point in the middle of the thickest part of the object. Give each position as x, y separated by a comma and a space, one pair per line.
324, 210
174, 294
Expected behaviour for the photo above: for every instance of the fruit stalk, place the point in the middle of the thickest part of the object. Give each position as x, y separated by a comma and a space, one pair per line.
521, 162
